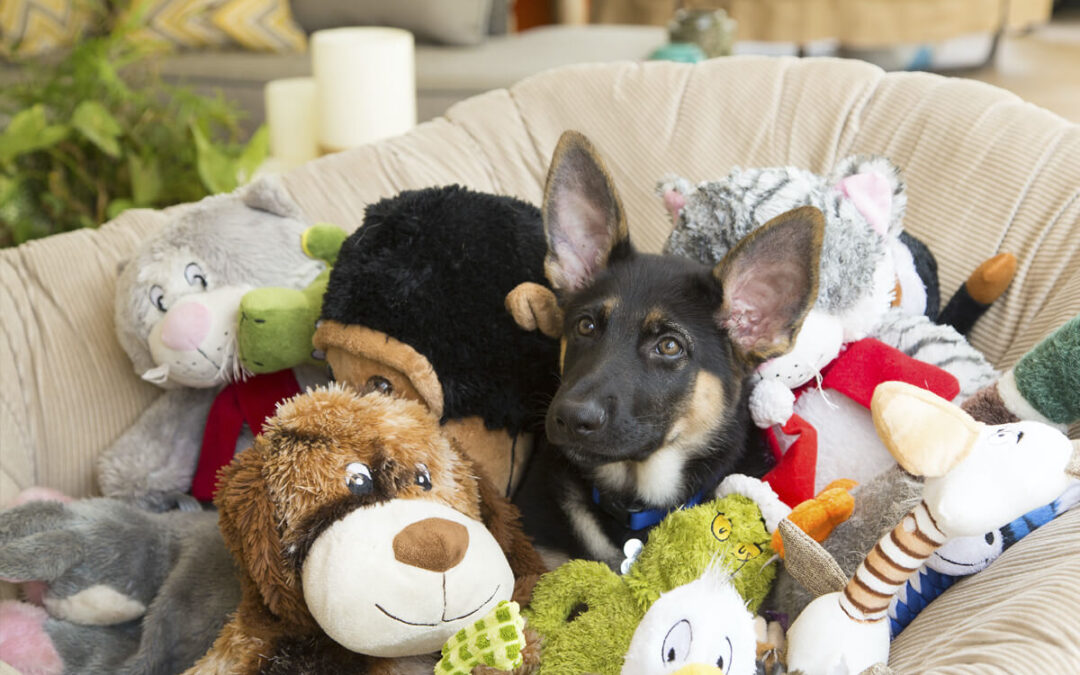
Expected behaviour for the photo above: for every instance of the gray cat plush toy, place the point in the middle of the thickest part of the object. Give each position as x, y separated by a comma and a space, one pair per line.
177, 313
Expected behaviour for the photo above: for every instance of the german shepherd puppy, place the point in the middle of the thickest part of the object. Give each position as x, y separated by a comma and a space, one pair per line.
651, 413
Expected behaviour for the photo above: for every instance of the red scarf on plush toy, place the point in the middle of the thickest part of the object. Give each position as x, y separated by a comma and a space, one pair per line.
252, 402
855, 372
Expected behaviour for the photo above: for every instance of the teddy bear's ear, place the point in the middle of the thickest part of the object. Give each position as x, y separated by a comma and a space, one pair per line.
248, 524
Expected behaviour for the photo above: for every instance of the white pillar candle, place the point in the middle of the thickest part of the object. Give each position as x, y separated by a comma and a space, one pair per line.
366, 85
292, 118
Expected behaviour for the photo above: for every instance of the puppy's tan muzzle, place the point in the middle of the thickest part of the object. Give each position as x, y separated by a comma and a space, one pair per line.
434, 544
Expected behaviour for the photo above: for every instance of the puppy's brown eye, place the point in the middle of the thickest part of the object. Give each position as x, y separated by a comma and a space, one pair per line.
423, 477
378, 383
585, 326
669, 347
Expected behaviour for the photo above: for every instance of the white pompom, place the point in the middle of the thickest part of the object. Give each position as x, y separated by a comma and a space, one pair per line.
771, 403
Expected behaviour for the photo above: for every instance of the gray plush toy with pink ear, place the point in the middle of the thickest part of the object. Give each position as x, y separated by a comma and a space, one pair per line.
862, 256
177, 316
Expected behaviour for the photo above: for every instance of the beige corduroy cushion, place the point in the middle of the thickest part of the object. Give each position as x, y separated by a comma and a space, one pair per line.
986, 172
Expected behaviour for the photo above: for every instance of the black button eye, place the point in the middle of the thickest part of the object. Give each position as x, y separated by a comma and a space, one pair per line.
358, 478
990, 538
423, 477
193, 274
378, 383
157, 298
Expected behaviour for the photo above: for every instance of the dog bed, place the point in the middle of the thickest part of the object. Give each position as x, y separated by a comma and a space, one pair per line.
986, 172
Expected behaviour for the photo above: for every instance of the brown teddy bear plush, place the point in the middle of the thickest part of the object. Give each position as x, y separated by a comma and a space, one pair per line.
365, 539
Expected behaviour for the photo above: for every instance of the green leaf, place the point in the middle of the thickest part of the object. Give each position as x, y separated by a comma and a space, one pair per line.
29, 131
146, 183
253, 155
117, 206
96, 123
216, 169
21, 213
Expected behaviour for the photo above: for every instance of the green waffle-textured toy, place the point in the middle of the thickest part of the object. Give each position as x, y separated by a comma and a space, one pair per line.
495, 641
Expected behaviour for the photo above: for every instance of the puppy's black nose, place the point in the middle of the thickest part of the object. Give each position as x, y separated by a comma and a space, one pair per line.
578, 419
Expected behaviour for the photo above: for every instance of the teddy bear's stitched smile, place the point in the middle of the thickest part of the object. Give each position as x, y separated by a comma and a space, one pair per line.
443, 619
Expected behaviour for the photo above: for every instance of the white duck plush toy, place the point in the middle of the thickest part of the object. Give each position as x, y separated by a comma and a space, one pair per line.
699, 628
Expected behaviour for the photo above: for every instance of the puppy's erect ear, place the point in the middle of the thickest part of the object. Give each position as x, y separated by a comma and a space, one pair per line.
770, 282
583, 217
249, 526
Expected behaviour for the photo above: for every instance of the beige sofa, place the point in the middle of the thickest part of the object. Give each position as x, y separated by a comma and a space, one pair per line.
986, 173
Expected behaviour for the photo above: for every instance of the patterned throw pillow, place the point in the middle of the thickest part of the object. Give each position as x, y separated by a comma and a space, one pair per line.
33, 27
261, 25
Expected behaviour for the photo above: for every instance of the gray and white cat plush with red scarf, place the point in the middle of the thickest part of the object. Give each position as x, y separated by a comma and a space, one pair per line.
177, 315
869, 324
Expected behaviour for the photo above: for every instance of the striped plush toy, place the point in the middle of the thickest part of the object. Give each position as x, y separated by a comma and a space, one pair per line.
972, 486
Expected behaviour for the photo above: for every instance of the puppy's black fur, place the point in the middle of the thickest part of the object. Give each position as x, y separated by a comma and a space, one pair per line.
652, 408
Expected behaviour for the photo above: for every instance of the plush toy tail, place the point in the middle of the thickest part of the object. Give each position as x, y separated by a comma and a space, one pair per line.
985, 285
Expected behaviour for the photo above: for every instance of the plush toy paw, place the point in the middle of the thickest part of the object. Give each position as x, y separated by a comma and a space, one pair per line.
24, 644
771, 403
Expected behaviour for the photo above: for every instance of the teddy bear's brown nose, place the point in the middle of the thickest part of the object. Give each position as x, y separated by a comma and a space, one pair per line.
434, 544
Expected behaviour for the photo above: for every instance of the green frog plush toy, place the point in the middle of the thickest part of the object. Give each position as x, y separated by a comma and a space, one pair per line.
586, 614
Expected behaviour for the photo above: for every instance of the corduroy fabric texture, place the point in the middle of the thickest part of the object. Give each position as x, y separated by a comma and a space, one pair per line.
985, 171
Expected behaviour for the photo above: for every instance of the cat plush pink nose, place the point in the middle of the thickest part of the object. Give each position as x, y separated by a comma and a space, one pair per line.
674, 202
186, 326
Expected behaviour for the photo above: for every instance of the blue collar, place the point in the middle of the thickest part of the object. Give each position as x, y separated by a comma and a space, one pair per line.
637, 518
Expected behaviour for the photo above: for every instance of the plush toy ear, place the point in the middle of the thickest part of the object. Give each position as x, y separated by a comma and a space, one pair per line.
926, 434
583, 217
872, 196
808, 562
770, 281
873, 185
248, 525
269, 194
534, 306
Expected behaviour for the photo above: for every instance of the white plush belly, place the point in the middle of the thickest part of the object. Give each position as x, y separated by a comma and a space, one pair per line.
848, 444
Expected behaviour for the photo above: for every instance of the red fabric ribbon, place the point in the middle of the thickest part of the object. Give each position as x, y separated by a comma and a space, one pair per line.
252, 402
856, 372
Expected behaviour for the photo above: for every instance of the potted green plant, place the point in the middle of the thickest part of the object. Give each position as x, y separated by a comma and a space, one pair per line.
99, 131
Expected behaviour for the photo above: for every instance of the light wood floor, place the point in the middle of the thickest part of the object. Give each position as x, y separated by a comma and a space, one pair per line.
1041, 66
